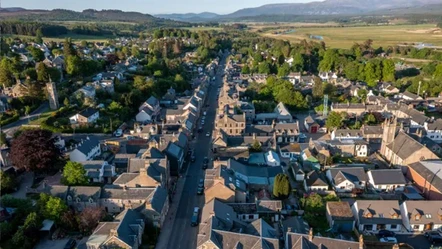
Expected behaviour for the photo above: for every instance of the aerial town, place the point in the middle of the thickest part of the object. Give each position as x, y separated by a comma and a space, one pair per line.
216, 136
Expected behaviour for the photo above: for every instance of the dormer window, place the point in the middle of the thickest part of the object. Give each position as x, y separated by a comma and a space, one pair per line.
77, 200
69, 198
417, 217
91, 200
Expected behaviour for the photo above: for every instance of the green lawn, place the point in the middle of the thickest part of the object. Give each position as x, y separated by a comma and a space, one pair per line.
387, 35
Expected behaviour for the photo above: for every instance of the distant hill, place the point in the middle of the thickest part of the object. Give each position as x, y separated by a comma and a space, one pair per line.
329, 7
190, 17
86, 15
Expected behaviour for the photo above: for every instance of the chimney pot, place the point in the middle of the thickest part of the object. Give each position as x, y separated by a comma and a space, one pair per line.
310, 235
361, 242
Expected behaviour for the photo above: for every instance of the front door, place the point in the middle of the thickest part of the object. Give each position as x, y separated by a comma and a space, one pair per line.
314, 129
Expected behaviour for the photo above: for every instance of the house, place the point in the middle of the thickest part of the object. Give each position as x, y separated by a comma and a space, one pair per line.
421, 216
372, 134
311, 125
221, 183
294, 78
315, 181
303, 241
126, 231
81, 197
283, 113
291, 151
5, 161
387, 180
220, 227
86, 92
401, 149
375, 215
255, 177
148, 110
221, 192
340, 216
87, 116
232, 125
248, 108
99, 171
344, 134
286, 132
409, 96
86, 150
151, 103
421, 172
434, 130
169, 98
347, 179
115, 199
175, 154
350, 108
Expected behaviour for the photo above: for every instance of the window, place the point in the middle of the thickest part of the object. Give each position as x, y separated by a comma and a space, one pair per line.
251, 216
416, 227
393, 226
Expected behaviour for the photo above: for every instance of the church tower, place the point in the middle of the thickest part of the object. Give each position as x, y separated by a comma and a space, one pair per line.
52, 95
389, 133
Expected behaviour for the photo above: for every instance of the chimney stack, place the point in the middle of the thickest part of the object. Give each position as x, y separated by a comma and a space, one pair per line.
310, 235
395, 246
361, 242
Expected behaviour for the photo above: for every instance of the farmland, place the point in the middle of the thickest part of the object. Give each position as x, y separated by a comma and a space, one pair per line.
345, 37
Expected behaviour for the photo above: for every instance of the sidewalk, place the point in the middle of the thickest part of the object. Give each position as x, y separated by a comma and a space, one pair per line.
167, 228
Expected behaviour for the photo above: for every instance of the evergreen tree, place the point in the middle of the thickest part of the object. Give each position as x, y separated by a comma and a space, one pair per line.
281, 187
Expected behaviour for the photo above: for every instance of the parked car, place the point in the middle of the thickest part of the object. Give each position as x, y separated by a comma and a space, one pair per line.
118, 133
192, 158
200, 191
386, 233
434, 237
70, 244
208, 134
388, 240
201, 183
195, 214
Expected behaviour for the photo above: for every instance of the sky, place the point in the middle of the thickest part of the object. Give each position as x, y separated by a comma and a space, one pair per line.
146, 6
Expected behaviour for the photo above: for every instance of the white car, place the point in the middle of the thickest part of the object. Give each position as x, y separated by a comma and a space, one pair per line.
388, 240
208, 134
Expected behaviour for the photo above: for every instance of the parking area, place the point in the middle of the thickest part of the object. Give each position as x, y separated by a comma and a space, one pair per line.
417, 241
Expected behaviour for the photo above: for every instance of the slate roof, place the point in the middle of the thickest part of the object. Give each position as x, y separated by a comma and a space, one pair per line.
356, 174
347, 132
372, 130
88, 112
427, 211
174, 150
293, 147
378, 212
429, 170
301, 241
84, 193
436, 125
152, 101
88, 144
269, 206
253, 171
159, 199
282, 110
404, 146
55, 190
296, 224
339, 210
310, 121
259, 129
136, 164
387, 176
314, 178
116, 192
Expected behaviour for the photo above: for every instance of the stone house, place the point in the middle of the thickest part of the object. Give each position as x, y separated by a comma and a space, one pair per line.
340, 216
81, 197
232, 125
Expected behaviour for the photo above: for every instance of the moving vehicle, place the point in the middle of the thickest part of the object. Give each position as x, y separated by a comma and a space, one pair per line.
386, 233
70, 244
194, 219
388, 240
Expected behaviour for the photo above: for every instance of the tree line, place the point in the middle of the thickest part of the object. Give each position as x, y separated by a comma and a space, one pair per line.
31, 28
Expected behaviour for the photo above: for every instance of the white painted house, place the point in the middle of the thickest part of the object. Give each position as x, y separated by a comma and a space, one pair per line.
347, 179
86, 150
420, 216
387, 180
434, 130
375, 215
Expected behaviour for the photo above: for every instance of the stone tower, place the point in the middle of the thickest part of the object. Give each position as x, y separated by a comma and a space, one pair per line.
52, 95
389, 133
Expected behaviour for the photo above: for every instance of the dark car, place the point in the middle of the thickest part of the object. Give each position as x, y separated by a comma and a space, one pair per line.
195, 215
193, 158
386, 233
200, 191
434, 237
70, 244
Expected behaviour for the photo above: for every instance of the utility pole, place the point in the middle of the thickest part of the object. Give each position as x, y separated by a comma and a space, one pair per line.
419, 88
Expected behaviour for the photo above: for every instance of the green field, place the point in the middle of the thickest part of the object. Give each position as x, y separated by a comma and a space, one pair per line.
345, 37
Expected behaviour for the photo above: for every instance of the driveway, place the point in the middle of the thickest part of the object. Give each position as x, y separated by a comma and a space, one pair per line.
417, 241
26, 180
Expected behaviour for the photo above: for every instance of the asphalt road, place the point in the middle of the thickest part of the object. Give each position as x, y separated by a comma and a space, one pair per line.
9, 129
184, 236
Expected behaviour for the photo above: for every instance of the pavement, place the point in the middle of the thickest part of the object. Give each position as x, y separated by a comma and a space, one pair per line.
176, 231
9, 129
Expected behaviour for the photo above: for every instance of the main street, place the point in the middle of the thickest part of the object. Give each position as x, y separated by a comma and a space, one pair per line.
182, 235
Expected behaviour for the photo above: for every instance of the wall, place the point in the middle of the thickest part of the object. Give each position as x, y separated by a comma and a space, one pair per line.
430, 191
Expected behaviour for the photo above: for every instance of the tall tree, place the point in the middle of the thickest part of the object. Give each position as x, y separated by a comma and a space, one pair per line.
7, 182
68, 50
334, 120
388, 70
89, 219
73, 65
34, 150
74, 174
370, 74
6, 76
51, 207
298, 62
281, 187
318, 88
39, 36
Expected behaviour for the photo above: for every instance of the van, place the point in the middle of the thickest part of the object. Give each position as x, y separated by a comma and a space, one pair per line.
195, 215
